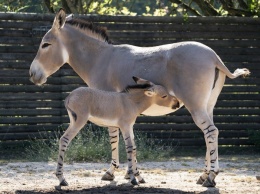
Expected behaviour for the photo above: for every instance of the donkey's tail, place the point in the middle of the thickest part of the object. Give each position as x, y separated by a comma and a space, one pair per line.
238, 72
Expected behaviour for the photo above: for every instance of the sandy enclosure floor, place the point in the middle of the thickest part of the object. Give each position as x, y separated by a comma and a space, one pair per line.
176, 176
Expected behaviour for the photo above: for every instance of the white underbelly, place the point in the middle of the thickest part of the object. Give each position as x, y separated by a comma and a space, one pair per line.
104, 122
156, 110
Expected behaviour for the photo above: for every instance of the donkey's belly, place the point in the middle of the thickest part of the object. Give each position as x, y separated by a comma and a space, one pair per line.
156, 110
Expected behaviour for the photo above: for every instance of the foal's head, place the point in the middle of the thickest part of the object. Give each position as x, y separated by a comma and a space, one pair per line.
156, 94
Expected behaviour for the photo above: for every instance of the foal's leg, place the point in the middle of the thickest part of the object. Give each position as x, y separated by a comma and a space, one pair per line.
128, 136
70, 133
203, 121
114, 140
134, 162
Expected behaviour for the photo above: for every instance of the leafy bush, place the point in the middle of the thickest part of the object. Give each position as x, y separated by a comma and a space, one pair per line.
92, 145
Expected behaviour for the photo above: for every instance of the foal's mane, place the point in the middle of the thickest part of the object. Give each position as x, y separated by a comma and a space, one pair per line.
97, 32
129, 88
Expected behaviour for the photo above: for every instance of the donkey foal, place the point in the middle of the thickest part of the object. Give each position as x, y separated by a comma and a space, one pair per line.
112, 109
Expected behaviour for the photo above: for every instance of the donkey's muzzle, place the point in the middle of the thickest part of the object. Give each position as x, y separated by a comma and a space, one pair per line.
37, 78
31, 73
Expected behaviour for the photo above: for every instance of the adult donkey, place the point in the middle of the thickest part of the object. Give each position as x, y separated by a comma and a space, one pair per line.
191, 71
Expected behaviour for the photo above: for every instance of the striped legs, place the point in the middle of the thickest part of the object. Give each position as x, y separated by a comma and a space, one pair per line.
205, 123
131, 155
70, 133
114, 140
63, 144
130, 146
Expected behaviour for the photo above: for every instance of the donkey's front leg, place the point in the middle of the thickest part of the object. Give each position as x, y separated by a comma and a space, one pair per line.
114, 140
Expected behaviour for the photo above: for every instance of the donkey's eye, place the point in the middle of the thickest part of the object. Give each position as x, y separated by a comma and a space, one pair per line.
45, 45
164, 96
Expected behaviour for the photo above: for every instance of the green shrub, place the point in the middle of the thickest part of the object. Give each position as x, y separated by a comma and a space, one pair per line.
92, 145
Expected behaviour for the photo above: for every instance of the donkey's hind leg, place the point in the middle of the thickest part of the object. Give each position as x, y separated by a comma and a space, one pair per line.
203, 121
114, 140
210, 107
75, 126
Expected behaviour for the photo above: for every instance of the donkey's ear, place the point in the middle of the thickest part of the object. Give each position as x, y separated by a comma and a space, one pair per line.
139, 80
69, 17
59, 19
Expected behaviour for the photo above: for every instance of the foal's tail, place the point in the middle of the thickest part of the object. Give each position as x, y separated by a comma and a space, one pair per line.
238, 72
66, 102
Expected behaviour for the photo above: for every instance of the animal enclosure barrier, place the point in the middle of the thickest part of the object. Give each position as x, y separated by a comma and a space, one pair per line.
28, 111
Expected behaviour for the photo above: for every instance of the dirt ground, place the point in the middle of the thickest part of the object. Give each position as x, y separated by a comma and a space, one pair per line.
238, 175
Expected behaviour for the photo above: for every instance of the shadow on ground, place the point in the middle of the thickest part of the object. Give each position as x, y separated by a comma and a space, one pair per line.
119, 189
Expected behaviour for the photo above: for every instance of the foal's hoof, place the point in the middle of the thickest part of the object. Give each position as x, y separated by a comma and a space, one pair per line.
127, 176
134, 182
108, 177
58, 188
209, 183
142, 181
64, 183
200, 181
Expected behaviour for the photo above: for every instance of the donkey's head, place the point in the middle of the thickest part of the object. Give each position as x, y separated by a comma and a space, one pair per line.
156, 94
52, 53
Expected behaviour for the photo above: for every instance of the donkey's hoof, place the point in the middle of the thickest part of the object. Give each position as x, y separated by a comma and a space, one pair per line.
64, 183
127, 176
134, 182
209, 183
200, 181
108, 177
142, 181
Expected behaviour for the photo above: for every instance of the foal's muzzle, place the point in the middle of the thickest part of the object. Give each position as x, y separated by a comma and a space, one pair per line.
175, 106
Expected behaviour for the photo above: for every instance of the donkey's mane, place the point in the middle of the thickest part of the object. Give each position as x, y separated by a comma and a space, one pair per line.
136, 87
97, 32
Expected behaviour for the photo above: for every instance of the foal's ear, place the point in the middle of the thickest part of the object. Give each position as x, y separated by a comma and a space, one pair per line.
135, 79
59, 19
149, 93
